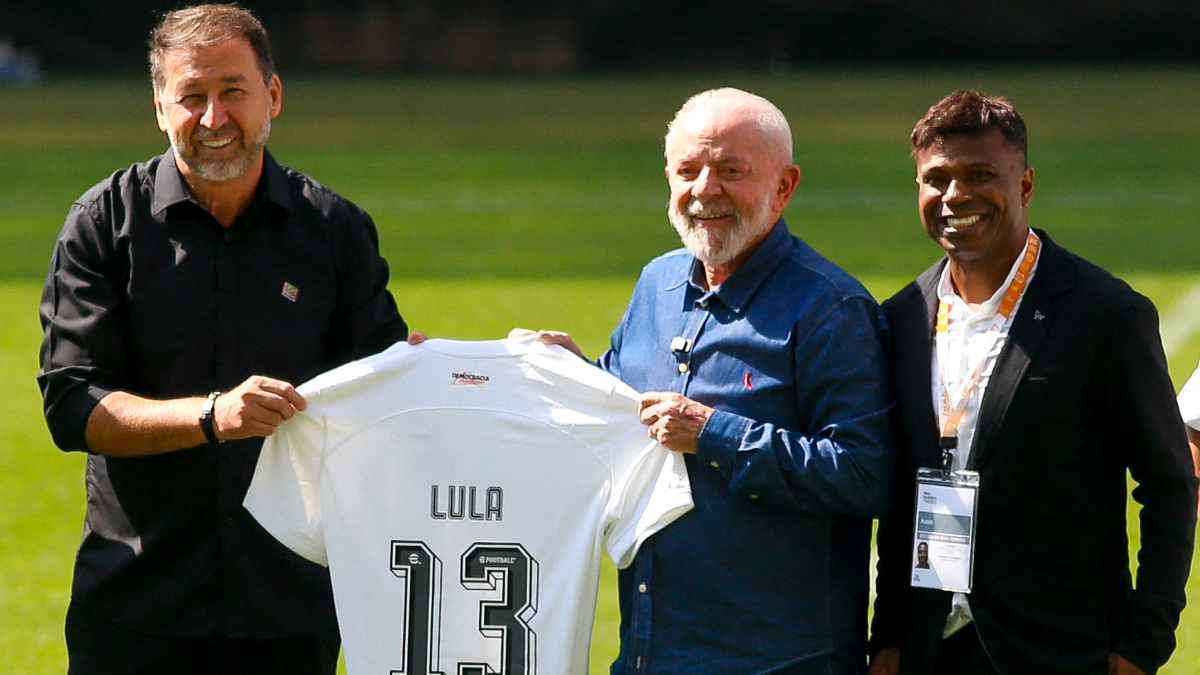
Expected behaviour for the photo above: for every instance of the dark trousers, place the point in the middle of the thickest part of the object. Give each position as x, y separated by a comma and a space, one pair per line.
849, 660
97, 646
962, 654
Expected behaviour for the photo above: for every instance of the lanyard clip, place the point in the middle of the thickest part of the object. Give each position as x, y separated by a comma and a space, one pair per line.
948, 444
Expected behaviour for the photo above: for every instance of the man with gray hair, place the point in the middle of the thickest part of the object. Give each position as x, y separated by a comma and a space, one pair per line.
184, 297
763, 362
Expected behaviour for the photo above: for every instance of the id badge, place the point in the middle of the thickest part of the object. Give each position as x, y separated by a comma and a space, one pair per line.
943, 552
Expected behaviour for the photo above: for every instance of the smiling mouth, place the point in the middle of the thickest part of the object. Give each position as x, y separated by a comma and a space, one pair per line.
955, 224
703, 214
216, 143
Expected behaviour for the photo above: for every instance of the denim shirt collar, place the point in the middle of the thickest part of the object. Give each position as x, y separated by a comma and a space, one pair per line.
745, 280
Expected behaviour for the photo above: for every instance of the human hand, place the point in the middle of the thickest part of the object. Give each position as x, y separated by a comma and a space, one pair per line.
885, 662
674, 419
550, 337
255, 408
1117, 665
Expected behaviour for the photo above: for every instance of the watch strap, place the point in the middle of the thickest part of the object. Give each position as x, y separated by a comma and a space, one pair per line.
206, 418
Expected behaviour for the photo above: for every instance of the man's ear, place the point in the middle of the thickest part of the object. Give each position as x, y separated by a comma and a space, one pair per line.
275, 90
789, 178
160, 114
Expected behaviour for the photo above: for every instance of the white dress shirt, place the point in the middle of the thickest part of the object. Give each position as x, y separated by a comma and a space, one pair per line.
965, 342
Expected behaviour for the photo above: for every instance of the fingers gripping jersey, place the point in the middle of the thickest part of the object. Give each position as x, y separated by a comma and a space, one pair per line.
460, 493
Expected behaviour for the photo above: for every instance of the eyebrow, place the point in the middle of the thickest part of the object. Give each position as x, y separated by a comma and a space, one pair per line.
726, 159
228, 79
972, 165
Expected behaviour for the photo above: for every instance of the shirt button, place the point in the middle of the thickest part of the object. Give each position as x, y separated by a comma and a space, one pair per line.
703, 304
229, 522
715, 465
753, 496
683, 368
642, 587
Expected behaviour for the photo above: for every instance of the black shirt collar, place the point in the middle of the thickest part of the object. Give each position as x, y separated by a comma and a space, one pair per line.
170, 188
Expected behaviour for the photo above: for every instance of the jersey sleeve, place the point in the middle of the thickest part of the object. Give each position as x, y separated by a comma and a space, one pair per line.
1189, 401
650, 490
284, 494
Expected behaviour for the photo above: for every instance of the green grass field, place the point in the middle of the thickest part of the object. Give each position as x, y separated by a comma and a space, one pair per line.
535, 202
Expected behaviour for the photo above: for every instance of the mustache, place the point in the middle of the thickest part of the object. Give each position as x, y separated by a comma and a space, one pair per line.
203, 134
696, 209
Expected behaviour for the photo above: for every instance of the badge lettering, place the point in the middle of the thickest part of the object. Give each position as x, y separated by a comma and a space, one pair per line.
465, 378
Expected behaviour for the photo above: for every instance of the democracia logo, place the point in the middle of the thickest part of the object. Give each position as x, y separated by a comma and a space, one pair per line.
463, 378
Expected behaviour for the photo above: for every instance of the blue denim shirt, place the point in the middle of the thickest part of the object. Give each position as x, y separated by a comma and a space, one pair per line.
770, 568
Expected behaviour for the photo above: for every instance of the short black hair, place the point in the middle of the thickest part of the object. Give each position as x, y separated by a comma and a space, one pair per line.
970, 113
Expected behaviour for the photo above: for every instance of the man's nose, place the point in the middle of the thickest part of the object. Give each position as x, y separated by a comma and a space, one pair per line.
706, 184
215, 116
955, 192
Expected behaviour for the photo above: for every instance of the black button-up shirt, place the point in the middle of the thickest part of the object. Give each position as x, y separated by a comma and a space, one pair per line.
148, 294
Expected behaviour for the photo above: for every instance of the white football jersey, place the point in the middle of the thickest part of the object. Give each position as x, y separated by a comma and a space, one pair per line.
460, 493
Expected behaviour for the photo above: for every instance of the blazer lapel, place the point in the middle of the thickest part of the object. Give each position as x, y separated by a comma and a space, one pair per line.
1054, 275
915, 381
929, 291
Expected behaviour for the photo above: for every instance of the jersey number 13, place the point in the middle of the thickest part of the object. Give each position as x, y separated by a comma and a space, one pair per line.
483, 567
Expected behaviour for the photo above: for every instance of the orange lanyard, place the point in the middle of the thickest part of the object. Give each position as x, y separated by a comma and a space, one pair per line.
952, 413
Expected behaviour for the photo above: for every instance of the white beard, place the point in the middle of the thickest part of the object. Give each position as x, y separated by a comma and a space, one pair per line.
715, 246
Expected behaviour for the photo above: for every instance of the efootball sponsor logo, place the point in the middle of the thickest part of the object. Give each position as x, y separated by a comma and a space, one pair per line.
463, 378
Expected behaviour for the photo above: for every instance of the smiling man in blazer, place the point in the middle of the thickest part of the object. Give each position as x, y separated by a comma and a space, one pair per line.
1015, 359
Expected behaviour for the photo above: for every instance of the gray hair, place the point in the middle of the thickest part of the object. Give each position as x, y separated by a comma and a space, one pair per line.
205, 25
777, 134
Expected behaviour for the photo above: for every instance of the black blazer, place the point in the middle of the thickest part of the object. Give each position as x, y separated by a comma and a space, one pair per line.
1080, 394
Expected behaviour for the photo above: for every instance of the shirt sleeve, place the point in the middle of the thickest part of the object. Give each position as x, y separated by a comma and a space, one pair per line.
366, 320
842, 460
83, 317
1189, 401
284, 495
650, 489
610, 360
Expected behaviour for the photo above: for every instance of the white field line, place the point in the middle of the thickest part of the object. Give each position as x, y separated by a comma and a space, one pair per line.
1182, 321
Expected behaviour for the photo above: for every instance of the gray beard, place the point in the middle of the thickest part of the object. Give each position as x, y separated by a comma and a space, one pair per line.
720, 247
228, 169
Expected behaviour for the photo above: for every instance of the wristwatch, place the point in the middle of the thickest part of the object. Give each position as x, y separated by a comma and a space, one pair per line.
206, 418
